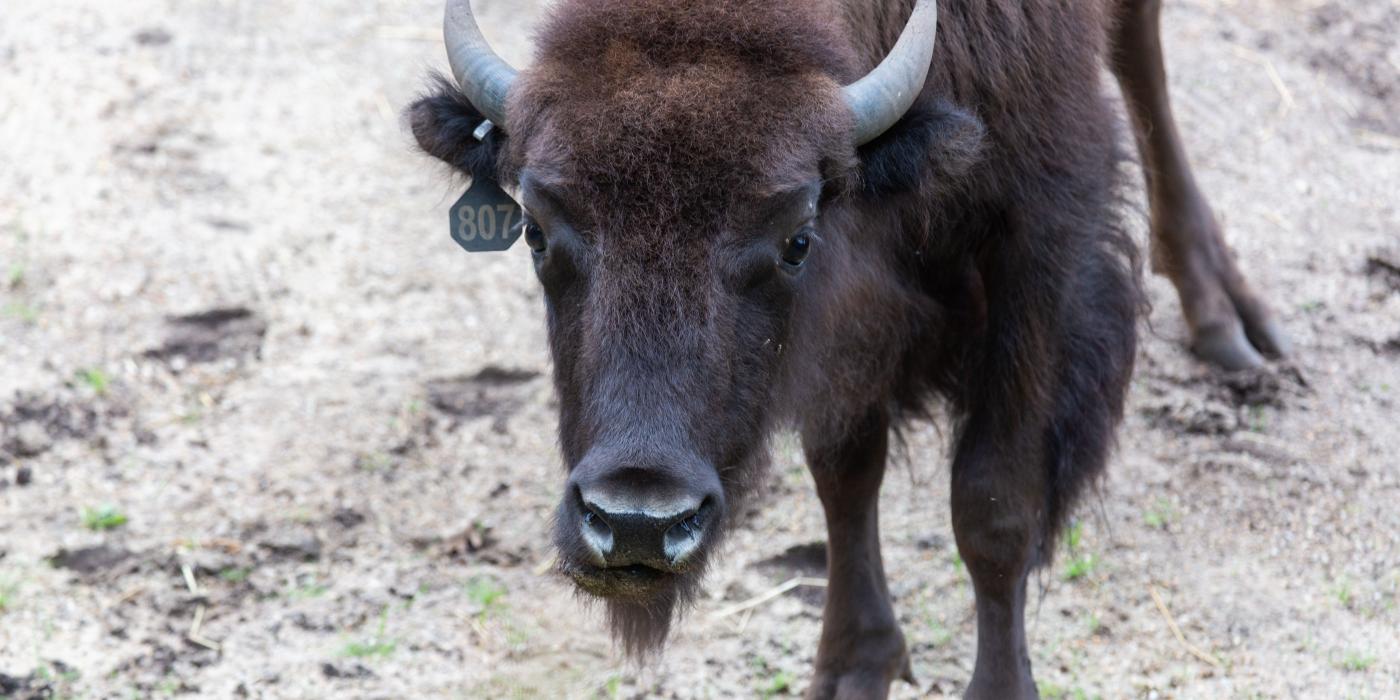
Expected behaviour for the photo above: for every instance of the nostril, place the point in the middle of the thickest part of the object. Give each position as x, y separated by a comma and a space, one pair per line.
597, 535
685, 537
595, 523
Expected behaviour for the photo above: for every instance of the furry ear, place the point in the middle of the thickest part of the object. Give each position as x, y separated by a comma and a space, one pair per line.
443, 122
934, 140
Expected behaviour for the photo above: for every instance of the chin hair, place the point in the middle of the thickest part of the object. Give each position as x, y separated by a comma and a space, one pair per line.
640, 625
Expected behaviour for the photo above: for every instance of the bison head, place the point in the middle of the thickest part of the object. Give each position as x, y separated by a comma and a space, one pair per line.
679, 164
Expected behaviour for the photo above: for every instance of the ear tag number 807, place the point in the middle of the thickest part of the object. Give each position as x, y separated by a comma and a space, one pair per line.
486, 218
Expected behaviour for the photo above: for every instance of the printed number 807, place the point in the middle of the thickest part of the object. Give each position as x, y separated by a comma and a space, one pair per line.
483, 221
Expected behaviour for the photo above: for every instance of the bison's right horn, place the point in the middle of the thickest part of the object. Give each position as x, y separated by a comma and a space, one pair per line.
886, 93
482, 75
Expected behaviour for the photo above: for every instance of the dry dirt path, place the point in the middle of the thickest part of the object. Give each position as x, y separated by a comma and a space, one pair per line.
231, 313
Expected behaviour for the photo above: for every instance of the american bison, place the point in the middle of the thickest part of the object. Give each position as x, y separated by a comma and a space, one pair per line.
752, 215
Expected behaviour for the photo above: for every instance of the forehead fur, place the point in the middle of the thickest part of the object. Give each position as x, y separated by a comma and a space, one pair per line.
659, 111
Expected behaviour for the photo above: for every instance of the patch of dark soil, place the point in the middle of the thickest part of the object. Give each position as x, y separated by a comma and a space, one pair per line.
357, 671
415, 435
476, 544
494, 391
1263, 449
1220, 403
492, 375
32, 423
348, 518
30, 439
44, 682
1384, 265
806, 560
932, 543
209, 336
1389, 346
90, 561
226, 224
319, 624
24, 687
1267, 386
212, 561
1189, 414
153, 36
291, 542
156, 669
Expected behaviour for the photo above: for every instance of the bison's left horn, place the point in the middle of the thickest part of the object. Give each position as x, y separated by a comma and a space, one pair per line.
482, 75
886, 93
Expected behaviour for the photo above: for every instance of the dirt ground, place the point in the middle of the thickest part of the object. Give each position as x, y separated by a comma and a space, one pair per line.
266, 432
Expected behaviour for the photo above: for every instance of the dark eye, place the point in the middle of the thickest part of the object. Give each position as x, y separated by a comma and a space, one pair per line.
797, 248
534, 237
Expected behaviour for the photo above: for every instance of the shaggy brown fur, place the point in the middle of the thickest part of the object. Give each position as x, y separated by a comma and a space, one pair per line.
972, 254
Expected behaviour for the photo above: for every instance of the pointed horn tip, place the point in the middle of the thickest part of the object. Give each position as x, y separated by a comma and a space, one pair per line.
881, 97
482, 75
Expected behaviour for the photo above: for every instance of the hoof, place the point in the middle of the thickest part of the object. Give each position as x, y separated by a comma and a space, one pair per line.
1266, 334
866, 674
1227, 347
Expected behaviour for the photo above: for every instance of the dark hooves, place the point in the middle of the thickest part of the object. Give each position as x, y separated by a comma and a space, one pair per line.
1243, 342
1266, 334
1227, 347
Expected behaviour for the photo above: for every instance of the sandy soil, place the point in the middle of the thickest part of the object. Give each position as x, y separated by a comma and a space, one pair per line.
232, 317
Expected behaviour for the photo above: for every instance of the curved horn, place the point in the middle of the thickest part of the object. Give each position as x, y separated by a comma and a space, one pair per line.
483, 77
886, 93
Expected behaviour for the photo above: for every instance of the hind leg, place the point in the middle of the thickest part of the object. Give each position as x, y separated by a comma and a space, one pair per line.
1231, 326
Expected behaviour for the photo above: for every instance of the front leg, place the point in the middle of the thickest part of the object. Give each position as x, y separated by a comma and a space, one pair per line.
862, 650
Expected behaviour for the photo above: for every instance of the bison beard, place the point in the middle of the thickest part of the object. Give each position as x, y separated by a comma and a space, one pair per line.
640, 622
640, 619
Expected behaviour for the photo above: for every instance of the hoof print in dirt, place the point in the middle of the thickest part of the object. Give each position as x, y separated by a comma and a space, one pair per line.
1231, 400
1267, 386
209, 336
494, 391
1192, 415
91, 561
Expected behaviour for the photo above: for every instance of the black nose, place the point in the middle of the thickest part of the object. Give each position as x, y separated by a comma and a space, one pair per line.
660, 534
